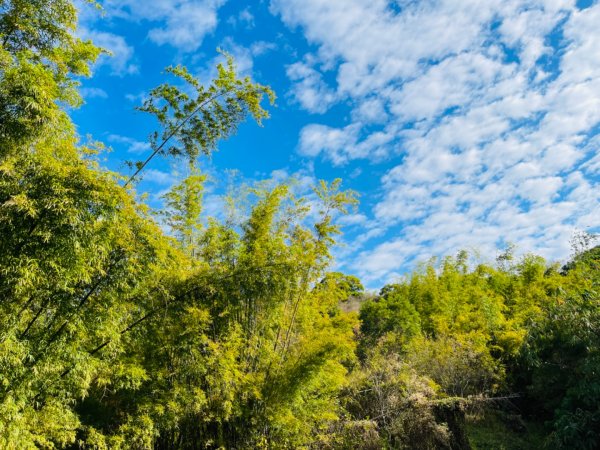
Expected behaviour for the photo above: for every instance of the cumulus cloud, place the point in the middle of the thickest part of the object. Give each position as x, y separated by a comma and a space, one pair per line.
120, 57
92, 92
131, 145
342, 144
309, 89
180, 23
158, 177
243, 56
244, 18
486, 111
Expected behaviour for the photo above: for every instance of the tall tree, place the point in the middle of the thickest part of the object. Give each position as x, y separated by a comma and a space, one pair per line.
183, 207
39, 60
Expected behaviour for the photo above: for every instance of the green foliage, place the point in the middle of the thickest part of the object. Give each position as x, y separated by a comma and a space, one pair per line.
183, 208
38, 59
78, 262
498, 431
194, 118
391, 313
461, 365
519, 326
247, 354
397, 402
344, 287
562, 358
113, 338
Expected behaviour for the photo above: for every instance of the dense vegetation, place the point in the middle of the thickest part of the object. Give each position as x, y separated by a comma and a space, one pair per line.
234, 333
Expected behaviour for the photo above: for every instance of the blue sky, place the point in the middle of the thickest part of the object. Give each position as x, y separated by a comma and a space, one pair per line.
463, 124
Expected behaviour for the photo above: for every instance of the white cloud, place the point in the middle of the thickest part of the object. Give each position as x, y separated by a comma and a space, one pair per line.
133, 146
121, 55
315, 139
244, 18
92, 92
180, 23
309, 89
370, 110
353, 220
158, 177
186, 26
592, 166
343, 144
486, 112
243, 58
137, 98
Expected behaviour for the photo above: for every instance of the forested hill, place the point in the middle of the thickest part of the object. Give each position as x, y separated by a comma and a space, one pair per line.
235, 333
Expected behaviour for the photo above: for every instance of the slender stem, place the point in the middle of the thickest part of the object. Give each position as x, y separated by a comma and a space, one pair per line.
35, 318
82, 302
171, 134
137, 322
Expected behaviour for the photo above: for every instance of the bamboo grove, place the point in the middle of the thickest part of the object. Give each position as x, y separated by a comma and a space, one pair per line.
234, 333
